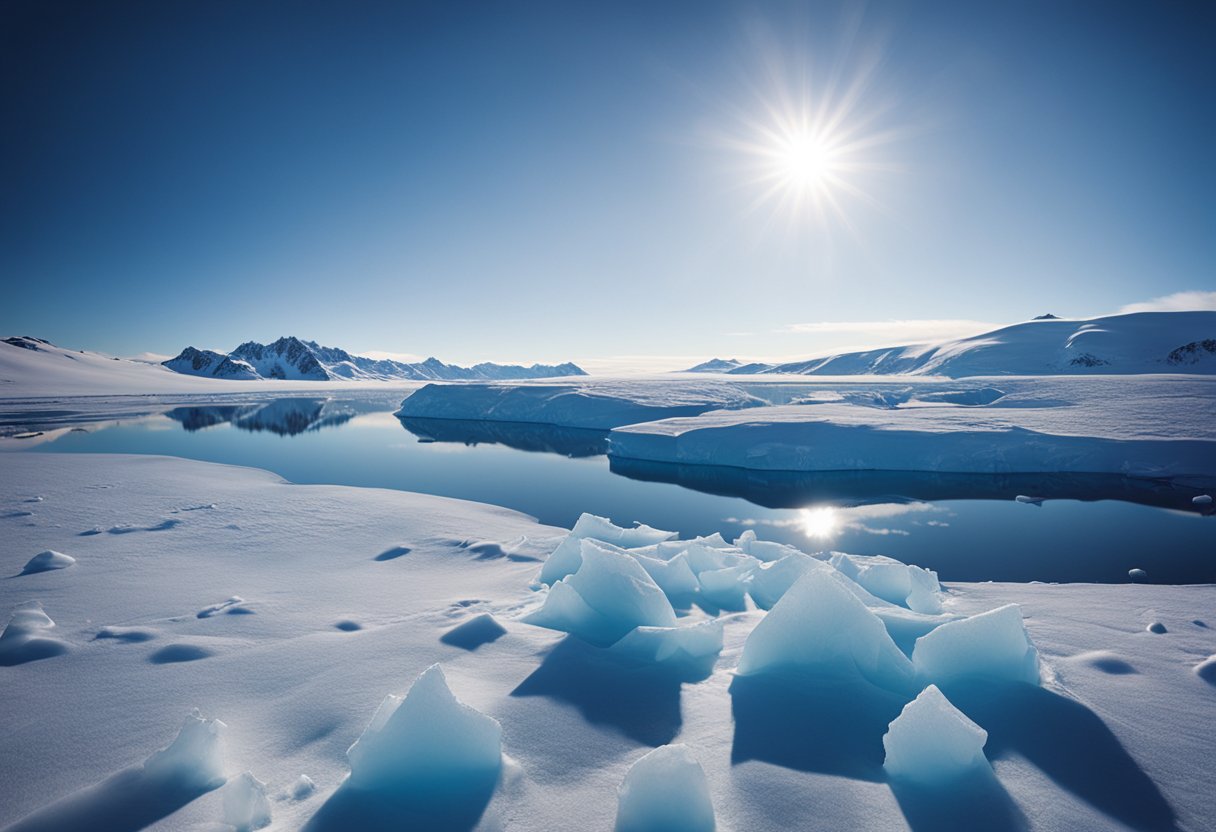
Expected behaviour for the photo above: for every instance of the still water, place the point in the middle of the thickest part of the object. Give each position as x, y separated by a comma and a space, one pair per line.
967, 527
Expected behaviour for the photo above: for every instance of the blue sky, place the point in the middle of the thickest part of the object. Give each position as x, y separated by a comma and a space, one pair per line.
547, 181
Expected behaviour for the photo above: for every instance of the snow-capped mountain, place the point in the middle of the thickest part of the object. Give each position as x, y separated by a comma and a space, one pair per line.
1141, 342
715, 365
295, 359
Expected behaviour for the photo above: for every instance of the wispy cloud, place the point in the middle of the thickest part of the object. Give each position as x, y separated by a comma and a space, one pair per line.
1177, 302
404, 357
897, 331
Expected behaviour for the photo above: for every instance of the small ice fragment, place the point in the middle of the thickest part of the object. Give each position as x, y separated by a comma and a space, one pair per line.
993, 645
1030, 501
1202, 500
1156, 627
1206, 669
195, 759
665, 791
246, 806
1137, 574
303, 787
932, 742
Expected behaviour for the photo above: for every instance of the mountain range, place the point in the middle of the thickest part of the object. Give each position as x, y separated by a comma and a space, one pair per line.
1139, 342
296, 359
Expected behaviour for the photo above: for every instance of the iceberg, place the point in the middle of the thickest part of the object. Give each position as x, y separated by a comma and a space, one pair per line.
665, 791
933, 743
819, 623
991, 645
428, 737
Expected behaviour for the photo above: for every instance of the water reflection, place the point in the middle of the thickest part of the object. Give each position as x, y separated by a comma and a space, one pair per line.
285, 417
791, 489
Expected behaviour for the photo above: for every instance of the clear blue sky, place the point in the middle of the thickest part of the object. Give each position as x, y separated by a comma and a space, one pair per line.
543, 181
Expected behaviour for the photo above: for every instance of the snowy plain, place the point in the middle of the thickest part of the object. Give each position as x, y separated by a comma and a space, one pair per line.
289, 612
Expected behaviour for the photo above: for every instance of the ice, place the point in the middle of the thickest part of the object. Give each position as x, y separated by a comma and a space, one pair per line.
772, 580
673, 576
726, 588
681, 643
608, 596
566, 557
702, 558
195, 758
665, 791
821, 624
1137, 574
899, 583
933, 743
1202, 500
27, 637
1028, 500
246, 806
765, 550
993, 645
303, 787
426, 737
1206, 669
47, 561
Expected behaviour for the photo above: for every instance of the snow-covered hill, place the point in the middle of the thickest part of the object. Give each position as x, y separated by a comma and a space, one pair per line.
298, 360
716, 365
1143, 342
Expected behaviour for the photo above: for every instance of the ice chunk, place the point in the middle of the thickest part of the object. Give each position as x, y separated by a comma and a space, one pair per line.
608, 596
702, 558
1137, 574
727, 588
820, 624
933, 743
303, 787
661, 644
993, 644
1030, 501
893, 581
665, 791
28, 637
426, 737
47, 561
246, 806
1206, 669
566, 557
673, 576
772, 580
195, 759
765, 550
1202, 500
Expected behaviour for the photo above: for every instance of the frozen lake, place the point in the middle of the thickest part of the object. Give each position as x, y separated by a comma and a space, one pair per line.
967, 527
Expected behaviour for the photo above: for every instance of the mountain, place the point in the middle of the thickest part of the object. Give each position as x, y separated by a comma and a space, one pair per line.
715, 365
1141, 342
295, 359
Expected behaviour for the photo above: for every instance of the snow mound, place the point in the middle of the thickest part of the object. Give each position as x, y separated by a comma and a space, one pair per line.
246, 805
933, 743
566, 558
908, 586
47, 561
302, 788
1206, 670
665, 791
608, 596
426, 737
820, 624
27, 639
478, 630
675, 644
992, 645
195, 759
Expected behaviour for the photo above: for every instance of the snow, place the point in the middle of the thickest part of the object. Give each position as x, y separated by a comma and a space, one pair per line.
47, 561
993, 645
246, 806
665, 791
427, 739
1115, 737
28, 636
933, 743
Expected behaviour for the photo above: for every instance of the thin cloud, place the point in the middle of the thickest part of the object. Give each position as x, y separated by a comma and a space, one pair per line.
1177, 302
898, 331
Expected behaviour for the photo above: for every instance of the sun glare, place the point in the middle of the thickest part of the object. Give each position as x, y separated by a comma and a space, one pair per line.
818, 523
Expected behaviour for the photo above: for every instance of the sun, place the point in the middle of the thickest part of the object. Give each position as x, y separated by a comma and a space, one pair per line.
803, 162
819, 523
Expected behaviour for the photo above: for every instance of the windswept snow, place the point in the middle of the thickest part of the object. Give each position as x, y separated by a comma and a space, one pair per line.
782, 714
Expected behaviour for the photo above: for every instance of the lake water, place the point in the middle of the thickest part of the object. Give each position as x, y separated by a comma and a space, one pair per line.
967, 527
